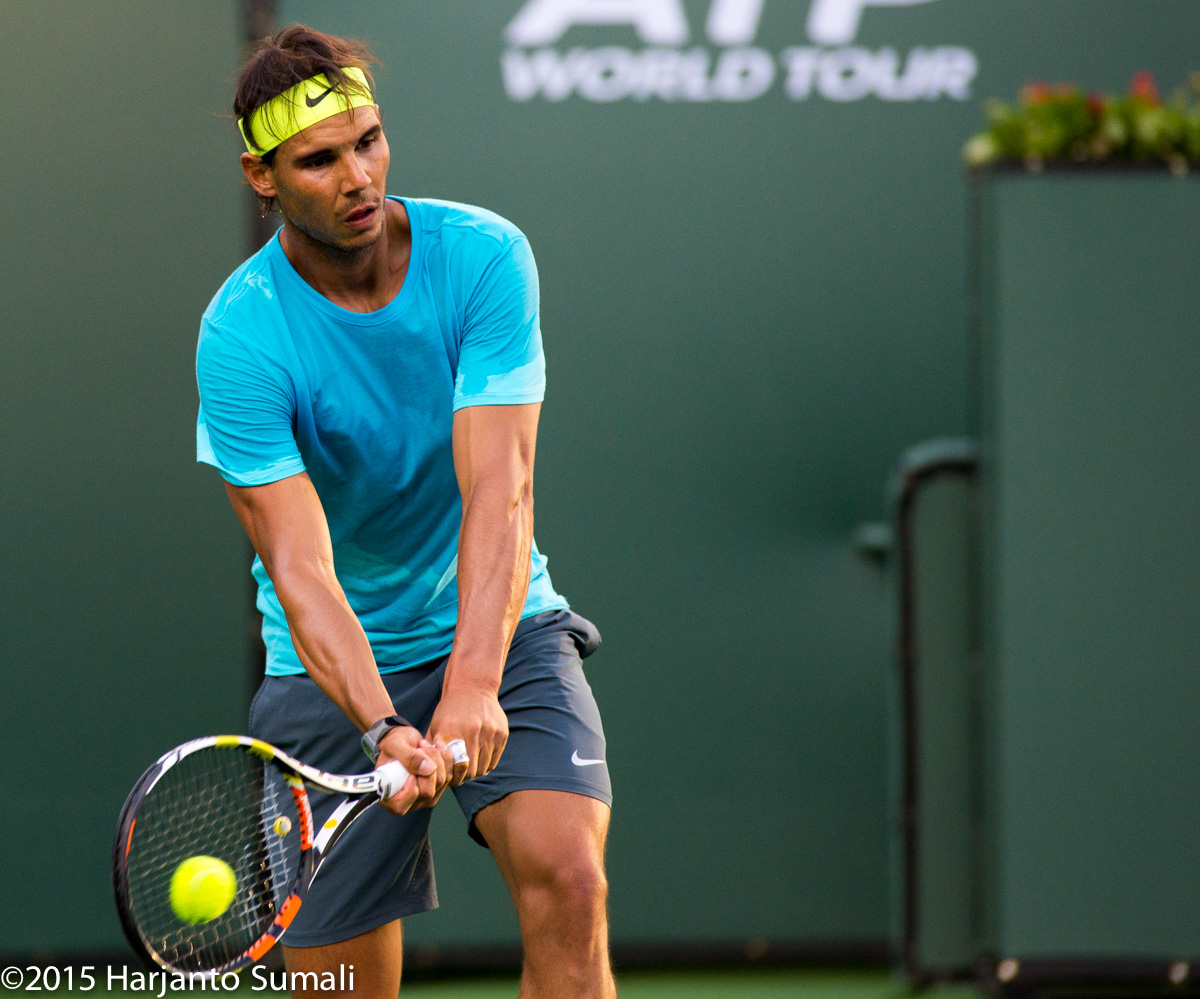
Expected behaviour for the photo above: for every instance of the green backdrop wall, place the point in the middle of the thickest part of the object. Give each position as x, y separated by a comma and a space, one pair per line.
751, 305
122, 616
1091, 564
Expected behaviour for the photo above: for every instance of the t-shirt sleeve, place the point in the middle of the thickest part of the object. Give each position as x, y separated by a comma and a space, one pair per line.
244, 428
500, 361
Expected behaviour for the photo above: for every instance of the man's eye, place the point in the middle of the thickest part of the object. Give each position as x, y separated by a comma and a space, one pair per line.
320, 161
367, 142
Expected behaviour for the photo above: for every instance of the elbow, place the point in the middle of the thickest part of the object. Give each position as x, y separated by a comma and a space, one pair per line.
297, 574
510, 496
522, 501
518, 499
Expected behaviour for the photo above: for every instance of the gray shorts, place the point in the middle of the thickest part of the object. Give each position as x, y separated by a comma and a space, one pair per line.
382, 868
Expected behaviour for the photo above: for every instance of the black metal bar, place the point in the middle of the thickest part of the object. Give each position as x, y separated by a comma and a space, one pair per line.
434, 961
258, 21
1112, 978
911, 482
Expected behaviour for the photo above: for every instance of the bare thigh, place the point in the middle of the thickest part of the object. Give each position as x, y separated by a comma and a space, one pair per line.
374, 957
529, 831
549, 845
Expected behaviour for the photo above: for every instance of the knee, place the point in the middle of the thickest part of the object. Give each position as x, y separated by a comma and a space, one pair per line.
582, 886
566, 889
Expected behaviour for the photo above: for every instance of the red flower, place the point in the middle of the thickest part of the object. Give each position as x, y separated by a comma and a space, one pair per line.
1142, 85
1036, 93
1096, 103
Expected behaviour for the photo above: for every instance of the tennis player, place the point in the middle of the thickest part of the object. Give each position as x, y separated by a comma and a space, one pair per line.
370, 383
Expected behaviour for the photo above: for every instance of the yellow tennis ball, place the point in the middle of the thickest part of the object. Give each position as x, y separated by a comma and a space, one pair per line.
202, 888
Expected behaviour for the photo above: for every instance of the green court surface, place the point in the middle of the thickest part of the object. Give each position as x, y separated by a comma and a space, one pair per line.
768, 984
712, 985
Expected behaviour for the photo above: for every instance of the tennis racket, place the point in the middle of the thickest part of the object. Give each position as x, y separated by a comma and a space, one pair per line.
244, 802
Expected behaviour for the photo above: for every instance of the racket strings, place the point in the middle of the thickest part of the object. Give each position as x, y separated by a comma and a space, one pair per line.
222, 802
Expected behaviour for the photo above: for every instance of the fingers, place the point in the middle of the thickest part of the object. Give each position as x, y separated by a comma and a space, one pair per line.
407, 746
434, 766
446, 755
428, 766
460, 756
402, 800
473, 719
458, 751
497, 751
431, 786
464, 757
488, 754
476, 757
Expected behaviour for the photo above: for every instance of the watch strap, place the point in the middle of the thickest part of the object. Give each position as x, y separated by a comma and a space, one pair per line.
374, 735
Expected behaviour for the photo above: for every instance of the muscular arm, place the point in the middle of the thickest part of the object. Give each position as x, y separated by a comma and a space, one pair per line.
287, 526
493, 459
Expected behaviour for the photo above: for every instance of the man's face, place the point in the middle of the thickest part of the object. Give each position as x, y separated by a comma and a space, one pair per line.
330, 179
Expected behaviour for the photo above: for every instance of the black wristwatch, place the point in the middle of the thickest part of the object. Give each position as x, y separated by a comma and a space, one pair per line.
374, 735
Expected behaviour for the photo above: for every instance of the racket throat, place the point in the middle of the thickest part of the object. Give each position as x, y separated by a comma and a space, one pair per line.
337, 823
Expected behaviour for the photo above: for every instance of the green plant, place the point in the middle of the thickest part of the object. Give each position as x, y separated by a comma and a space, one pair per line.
1061, 123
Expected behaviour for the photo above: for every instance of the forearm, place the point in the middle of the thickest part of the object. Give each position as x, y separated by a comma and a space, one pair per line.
286, 524
331, 643
493, 579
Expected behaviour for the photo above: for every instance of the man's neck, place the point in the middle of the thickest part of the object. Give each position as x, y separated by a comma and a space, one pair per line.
362, 280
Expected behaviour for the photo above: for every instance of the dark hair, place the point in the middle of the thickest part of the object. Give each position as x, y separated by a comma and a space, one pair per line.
292, 56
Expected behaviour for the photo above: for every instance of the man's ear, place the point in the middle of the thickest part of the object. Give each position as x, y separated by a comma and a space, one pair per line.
260, 176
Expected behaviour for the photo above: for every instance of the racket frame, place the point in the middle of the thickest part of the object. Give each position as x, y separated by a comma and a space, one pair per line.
360, 790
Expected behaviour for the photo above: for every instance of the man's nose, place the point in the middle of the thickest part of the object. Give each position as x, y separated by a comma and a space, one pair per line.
354, 178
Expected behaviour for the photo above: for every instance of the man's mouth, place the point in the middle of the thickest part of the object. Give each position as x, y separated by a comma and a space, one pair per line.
362, 217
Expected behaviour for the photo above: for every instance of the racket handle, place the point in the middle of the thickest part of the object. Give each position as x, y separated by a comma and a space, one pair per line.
391, 778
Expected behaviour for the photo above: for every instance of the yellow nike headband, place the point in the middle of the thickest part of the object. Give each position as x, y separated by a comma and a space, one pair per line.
307, 103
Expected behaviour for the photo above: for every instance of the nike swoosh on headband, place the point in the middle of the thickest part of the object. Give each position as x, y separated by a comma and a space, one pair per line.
313, 103
285, 115
583, 763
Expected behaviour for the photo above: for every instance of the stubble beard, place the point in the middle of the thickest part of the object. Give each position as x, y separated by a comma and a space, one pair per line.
325, 241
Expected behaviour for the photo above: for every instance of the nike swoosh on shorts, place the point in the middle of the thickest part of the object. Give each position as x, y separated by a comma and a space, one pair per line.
583, 763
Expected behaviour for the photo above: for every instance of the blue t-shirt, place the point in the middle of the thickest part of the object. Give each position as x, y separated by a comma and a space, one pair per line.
364, 402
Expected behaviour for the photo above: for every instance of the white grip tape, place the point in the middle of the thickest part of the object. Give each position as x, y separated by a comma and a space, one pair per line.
391, 778
458, 751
